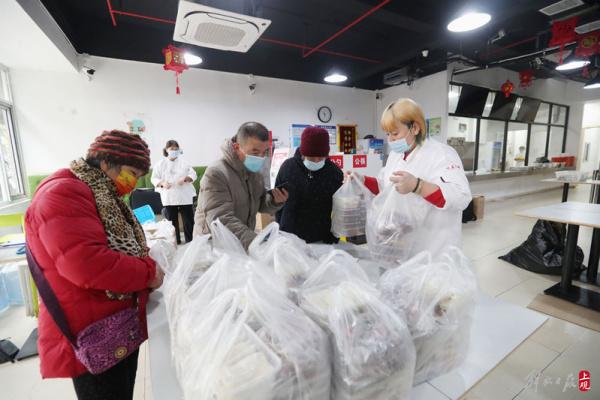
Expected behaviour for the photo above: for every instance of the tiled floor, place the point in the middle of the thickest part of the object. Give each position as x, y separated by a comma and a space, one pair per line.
545, 366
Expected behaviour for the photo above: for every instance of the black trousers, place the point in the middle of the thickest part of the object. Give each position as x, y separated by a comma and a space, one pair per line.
187, 215
113, 384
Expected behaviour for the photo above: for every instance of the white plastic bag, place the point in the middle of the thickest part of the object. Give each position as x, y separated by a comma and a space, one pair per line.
374, 357
253, 343
438, 299
316, 294
223, 240
349, 212
393, 220
288, 255
163, 252
161, 230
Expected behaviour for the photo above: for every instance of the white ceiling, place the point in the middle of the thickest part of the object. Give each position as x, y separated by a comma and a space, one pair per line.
23, 45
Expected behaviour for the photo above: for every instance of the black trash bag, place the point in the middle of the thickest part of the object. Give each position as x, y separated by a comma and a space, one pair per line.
469, 213
543, 250
8, 351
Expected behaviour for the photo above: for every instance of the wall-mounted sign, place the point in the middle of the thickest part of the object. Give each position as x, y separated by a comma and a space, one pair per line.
338, 160
359, 161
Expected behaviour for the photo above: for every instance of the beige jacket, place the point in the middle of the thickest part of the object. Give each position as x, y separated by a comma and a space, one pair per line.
231, 193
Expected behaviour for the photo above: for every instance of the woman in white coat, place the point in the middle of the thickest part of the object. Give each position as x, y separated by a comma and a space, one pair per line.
173, 179
430, 169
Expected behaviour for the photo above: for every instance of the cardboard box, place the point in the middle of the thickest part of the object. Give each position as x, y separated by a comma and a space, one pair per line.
262, 220
478, 206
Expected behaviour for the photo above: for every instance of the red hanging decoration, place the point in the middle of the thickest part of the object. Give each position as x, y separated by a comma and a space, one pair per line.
563, 32
175, 61
526, 78
587, 45
507, 88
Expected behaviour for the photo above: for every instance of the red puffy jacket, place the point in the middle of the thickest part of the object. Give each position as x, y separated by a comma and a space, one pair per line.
67, 239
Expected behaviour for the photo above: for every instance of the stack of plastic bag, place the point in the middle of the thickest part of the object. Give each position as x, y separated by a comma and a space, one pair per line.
250, 342
349, 213
438, 299
289, 256
392, 222
236, 335
373, 353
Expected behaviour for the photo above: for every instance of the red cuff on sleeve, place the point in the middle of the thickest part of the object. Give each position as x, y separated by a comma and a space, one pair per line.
437, 198
371, 184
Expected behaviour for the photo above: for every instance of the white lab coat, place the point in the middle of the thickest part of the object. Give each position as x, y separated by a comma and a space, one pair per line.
170, 171
436, 163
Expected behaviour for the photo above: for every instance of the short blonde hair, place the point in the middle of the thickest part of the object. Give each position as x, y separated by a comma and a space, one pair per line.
404, 111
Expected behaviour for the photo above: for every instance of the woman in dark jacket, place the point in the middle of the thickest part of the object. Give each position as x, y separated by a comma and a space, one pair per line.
311, 180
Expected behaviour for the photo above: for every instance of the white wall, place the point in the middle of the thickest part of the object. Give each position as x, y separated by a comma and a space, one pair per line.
431, 92
60, 113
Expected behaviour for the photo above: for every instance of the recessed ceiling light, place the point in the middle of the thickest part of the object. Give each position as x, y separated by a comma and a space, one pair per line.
469, 22
335, 78
572, 62
593, 83
192, 59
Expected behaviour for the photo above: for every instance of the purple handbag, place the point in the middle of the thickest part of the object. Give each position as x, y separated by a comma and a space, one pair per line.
102, 344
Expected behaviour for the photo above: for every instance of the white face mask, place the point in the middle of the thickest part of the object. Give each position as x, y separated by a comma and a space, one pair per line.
174, 153
314, 166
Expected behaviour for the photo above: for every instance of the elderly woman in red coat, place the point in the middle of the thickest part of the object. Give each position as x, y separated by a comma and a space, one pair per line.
93, 254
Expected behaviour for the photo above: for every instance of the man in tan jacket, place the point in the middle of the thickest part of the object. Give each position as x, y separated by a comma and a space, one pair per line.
232, 189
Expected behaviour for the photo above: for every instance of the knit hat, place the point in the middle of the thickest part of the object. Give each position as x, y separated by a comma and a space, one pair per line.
121, 148
314, 142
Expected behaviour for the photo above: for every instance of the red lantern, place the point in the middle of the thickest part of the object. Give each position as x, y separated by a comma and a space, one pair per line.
563, 32
175, 61
587, 44
507, 88
526, 78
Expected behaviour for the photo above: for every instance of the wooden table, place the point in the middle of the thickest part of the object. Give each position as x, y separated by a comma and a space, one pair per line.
574, 215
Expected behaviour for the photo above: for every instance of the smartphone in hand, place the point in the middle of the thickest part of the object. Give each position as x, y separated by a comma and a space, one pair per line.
283, 185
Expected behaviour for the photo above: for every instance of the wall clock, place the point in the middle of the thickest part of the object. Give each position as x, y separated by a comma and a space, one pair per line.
324, 114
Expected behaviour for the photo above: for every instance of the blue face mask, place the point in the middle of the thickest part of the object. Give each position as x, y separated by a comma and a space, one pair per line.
253, 163
314, 166
400, 146
174, 153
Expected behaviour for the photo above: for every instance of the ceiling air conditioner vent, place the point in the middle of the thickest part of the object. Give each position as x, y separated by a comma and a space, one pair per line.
561, 7
589, 27
218, 29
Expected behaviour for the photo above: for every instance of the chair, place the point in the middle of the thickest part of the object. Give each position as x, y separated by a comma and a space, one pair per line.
141, 197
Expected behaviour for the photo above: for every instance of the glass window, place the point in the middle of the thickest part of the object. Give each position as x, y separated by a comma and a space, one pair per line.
543, 113
11, 182
4, 88
516, 143
461, 135
537, 143
491, 138
488, 104
556, 141
517, 108
453, 96
559, 114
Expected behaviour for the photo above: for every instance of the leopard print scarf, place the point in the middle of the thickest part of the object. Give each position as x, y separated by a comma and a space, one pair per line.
123, 231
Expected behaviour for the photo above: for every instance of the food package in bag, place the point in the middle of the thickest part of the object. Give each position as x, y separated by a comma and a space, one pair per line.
289, 256
254, 343
373, 353
334, 268
392, 223
349, 212
161, 230
438, 299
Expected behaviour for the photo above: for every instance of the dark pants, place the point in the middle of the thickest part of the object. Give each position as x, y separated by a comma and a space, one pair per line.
187, 215
113, 384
